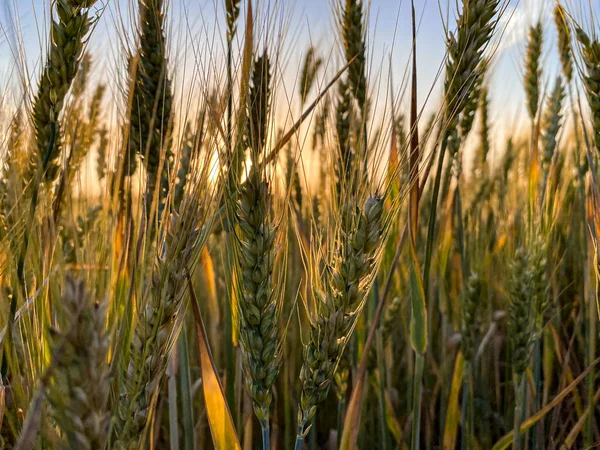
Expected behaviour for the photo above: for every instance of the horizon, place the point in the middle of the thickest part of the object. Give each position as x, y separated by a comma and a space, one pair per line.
293, 28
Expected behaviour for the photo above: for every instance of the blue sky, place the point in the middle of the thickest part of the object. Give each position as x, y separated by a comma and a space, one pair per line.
194, 23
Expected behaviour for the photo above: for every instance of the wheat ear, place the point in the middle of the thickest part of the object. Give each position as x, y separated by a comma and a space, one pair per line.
79, 386
533, 70
68, 39
340, 297
152, 99
157, 326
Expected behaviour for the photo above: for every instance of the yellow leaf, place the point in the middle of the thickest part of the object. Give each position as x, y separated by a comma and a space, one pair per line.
576, 430
211, 284
452, 414
234, 314
352, 419
392, 421
219, 417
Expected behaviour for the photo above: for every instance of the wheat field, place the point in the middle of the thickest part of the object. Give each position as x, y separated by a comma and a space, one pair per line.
217, 232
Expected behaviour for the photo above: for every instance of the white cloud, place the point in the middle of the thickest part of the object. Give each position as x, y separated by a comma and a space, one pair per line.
514, 23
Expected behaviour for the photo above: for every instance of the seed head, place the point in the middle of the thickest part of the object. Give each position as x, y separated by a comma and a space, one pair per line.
340, 298
552, 123
590, 52
565, 49
68, 37
533, 71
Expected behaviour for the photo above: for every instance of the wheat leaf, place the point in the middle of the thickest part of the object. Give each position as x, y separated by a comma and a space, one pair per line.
219, 417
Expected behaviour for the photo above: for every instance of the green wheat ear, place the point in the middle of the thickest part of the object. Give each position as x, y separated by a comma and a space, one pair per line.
345, 161
521, 310
160, 311
79, 388
11, 174
352, 24
391, 318
255, 243
533, 71
152, 101
465, 65
565, 48
590, 52
232, 12
68, 37
471, 305
309, 73
340, 299
551, 123
468, 115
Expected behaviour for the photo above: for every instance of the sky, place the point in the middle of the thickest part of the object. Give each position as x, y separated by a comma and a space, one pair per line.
296, 24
